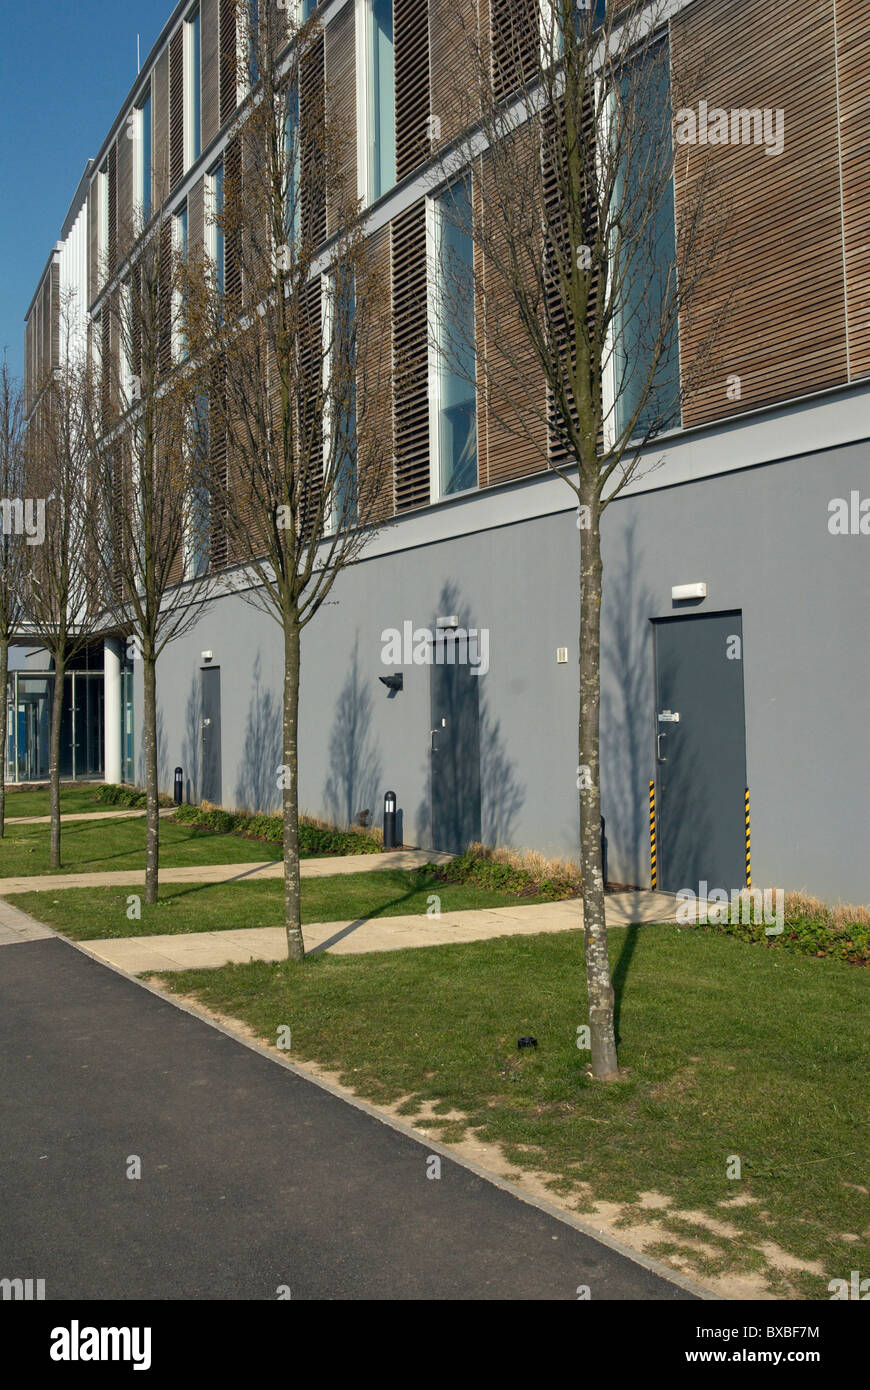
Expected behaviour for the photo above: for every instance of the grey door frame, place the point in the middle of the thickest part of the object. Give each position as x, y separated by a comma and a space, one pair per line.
656, 625
213, 671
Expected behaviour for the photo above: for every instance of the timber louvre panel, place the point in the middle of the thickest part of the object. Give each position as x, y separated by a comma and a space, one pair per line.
312, 95
112, 190
228, 60
784, 333
176, 107
452, 64
853, 36
410, 359
232, 233
125, 193
515, 39
375, 388
210, 62
340, 65
310, 458
411, 41
196, 216
160, 124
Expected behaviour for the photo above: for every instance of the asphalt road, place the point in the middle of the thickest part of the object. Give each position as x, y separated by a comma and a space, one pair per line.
252, 1179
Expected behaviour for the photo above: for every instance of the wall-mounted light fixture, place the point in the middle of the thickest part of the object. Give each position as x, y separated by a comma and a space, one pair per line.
682, 591
206, 656
393, 683
452, 621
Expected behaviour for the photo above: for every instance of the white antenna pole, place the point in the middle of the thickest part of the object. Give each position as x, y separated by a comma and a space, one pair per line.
138, 62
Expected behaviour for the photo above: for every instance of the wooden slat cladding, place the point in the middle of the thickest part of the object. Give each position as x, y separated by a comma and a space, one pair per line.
375, 389
783, 333
112, 192
232, 248
411, 49
515, 37
160, 126
165, 296
196, 216
312, 91
228, 60
54, 277
210, 59
452, 65
515, 399
176, 107
218, 454
125, 193
106, 365
310, 460
340, 60
410, 359
853, 40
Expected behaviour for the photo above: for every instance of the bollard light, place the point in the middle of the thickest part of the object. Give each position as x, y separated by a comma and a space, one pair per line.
179, 784
390, 841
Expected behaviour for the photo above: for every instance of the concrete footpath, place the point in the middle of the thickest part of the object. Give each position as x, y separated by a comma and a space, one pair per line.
227, 873
209, 950
132, 813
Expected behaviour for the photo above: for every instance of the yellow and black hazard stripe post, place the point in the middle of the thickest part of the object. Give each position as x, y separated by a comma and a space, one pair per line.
748, 857
653, 870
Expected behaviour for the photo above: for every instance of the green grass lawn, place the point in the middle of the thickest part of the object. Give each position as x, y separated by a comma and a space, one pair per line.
92, 846
87, 914
73, 800
730, 1049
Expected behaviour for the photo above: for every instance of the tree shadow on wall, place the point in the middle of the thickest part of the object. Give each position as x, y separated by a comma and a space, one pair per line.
491, 783
626, 714
192, 741
355, 771
257, 784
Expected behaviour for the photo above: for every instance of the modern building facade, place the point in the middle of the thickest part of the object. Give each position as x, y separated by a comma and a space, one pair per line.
755, 506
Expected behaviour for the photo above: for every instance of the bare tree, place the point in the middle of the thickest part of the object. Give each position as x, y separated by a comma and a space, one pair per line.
13, 543
146, 430
582, 276
298, 472
58, 593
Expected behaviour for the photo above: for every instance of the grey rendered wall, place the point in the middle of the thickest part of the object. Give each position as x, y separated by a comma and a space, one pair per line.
759, 539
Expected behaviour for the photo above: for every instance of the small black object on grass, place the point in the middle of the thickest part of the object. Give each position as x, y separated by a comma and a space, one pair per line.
527, 1042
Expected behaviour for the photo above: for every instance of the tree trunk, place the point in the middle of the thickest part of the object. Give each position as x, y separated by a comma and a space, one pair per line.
4, 670
290, 792
152, 818
599, 986
54, 762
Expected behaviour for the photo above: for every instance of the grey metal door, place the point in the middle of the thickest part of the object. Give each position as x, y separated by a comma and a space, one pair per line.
700, 751
455, 751
210, 704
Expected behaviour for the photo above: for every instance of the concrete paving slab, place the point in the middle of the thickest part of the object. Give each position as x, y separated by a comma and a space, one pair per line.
210, 950
226, 873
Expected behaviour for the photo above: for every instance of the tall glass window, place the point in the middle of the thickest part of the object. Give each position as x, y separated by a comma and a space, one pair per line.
648, 262
342, 317
455, 395
194, 87
381, 98
291, 167
217, 189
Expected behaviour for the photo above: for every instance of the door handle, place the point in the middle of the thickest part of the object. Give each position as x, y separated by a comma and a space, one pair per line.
659, 757
432, 745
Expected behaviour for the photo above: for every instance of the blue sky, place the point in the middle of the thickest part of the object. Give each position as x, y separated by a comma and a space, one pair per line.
64, 72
